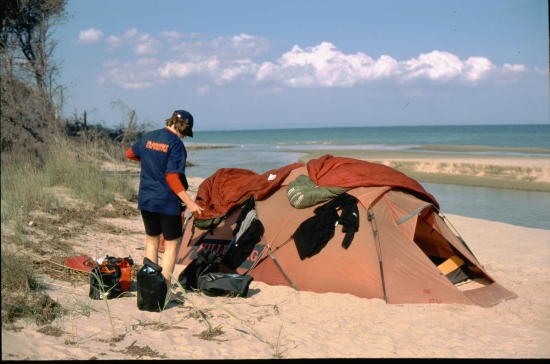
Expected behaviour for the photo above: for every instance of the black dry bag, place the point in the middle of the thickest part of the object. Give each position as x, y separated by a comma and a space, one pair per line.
105, 281
151, 287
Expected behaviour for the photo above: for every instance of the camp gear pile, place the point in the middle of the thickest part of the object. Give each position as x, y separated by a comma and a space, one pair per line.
111, 278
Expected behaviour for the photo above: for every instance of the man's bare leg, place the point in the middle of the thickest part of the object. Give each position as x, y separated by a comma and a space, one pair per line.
152, 247
169, 259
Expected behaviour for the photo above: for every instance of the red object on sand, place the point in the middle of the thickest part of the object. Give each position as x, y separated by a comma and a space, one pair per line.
78, 263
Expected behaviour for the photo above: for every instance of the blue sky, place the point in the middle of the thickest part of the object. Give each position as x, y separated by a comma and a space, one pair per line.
266, 64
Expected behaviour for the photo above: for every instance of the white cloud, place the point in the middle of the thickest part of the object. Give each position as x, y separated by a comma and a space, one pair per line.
236, 47
110, 63
445, 66
247, 45
435, 66
147, 62
217, 71
134, 76
326, 66
146, 45
203, 90
237, 69
477, 67
128, 79
510, 73
183, 69
541, 71
513, 68
230, 59
171, 36
90, 36
221, 60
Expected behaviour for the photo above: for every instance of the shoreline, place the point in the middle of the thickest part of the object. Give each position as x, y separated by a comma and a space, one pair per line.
530, 173
479, 148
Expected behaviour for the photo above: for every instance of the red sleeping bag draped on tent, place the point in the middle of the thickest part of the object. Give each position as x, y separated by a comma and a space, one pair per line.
329, 171
228, 187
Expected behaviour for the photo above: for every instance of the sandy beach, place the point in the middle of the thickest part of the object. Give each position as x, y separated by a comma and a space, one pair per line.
276, 321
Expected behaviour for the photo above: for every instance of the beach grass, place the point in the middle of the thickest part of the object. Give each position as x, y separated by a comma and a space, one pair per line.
23, 295
64, 176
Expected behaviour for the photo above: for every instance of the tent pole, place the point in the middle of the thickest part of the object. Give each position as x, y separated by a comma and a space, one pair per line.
374, 227
263, 238
259, 257
187, 216
282, 271
460, 238
191, 250
270, 252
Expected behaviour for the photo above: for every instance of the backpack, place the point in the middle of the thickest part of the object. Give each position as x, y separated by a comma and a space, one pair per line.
206, 261
246, 234
240, 249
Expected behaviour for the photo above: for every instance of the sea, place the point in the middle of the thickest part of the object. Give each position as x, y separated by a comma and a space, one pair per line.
264, 150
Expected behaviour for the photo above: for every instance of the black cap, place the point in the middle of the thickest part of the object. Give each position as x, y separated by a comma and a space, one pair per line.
188, 118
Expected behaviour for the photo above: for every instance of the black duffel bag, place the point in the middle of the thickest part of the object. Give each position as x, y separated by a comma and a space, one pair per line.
223, 284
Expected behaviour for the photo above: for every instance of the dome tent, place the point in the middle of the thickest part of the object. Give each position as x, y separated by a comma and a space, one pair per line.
403, 251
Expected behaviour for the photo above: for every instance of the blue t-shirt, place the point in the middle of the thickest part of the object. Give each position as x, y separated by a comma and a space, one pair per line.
160, 152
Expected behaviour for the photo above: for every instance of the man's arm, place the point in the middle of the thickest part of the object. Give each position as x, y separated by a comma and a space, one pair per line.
130, 154
175, 184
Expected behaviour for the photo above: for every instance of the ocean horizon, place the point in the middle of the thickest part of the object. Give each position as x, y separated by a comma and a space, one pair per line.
264, 149
505, 135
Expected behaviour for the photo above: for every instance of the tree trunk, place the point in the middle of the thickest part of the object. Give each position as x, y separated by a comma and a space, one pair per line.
129, 126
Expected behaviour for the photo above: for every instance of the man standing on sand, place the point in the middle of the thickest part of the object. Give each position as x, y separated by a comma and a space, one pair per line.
163, 157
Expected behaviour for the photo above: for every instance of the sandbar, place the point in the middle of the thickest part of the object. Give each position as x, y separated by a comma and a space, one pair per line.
516, 170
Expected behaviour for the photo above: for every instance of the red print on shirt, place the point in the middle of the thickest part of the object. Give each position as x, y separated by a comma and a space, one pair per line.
157, 146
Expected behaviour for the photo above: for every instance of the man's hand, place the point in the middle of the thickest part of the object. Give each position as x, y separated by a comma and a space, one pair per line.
194, 208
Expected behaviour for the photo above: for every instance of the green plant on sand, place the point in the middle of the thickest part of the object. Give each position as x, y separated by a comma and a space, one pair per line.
212, 330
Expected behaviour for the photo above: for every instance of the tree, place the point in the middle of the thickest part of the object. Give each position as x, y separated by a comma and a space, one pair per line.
30, 96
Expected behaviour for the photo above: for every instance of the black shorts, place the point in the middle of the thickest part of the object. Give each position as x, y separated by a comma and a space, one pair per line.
169, 226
